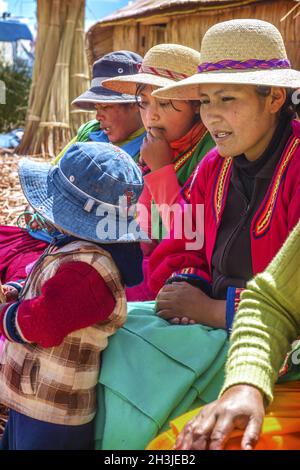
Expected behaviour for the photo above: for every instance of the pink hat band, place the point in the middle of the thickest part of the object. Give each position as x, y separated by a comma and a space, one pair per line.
160, 72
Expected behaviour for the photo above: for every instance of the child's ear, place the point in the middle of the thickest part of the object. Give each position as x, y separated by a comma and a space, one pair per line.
277, 99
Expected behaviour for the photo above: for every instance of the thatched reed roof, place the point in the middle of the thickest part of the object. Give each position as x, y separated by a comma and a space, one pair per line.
142, 8
144, 23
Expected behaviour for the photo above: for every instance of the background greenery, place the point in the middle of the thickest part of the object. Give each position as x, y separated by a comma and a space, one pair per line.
17, 79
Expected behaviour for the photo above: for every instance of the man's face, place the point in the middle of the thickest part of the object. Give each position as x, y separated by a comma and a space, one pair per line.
118, 121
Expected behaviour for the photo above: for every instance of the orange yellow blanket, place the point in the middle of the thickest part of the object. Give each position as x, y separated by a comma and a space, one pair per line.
281, 427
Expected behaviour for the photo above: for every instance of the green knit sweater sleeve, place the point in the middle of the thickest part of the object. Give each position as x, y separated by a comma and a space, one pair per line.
267, 321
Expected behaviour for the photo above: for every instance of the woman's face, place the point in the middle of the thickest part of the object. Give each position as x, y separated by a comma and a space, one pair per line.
118, 121
161, 114
239, 120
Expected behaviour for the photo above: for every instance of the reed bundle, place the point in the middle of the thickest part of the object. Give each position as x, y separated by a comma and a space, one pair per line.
60, 65
79, 74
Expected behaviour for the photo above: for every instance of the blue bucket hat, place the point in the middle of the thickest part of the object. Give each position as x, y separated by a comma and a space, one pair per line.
110, 65
91, 193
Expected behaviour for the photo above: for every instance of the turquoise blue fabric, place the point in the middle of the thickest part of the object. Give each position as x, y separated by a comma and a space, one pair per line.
43, 236
132, 147
98, 136
151, 372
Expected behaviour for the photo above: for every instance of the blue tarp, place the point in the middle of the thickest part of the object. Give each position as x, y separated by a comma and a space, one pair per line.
13, 30
11, 139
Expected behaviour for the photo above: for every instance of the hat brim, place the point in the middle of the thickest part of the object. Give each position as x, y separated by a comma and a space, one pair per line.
189, 88
128, 83
94, 95
47, 198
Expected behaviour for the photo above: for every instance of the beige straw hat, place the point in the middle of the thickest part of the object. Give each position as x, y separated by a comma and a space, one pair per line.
249, 52
162, 65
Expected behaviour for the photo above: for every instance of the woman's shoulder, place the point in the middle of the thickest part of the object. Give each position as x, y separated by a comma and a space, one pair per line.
204, 175
209, 164
292, 152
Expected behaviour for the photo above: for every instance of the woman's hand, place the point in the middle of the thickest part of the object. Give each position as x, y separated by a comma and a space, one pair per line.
181, 300
240, 407
155, 151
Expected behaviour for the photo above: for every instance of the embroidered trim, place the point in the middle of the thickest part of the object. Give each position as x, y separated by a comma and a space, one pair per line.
184, 158
244, 65
230, 309
188, 271
11, 330
220, 187
16, 285
263, 221
186, 192
232, 304
237, 297
162, 72
4, 321
181, 160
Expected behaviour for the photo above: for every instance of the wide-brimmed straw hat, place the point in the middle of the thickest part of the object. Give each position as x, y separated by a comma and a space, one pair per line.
90, 194
110, 65
249, 52
162, 65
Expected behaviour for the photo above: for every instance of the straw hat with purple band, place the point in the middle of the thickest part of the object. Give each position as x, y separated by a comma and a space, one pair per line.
110, 65
162, 65
249, 52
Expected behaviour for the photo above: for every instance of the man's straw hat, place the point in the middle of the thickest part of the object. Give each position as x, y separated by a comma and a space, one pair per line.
163, 65
249, 52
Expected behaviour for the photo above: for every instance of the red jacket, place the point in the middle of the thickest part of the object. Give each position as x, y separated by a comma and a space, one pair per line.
76, 297
270, 226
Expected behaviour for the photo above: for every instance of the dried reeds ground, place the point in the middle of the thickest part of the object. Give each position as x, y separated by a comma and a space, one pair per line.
12, 201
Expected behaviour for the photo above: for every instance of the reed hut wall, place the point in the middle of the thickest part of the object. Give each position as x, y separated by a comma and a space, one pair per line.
140, 33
